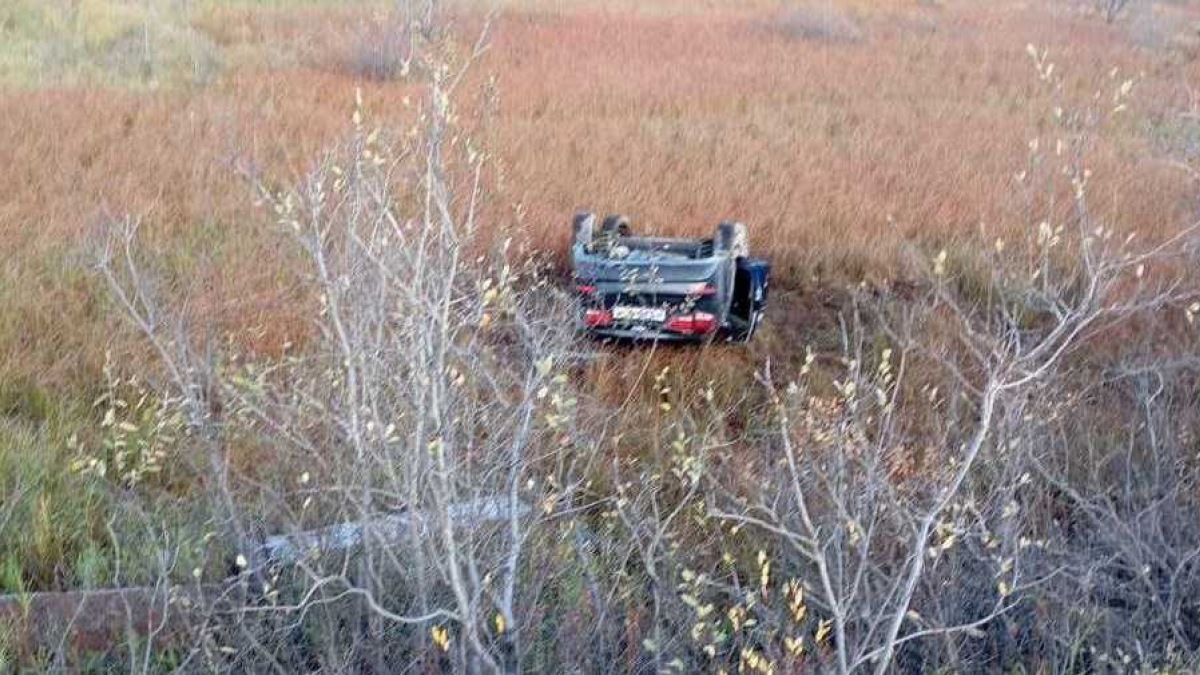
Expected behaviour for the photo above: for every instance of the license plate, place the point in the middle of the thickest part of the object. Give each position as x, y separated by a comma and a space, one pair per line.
620, 313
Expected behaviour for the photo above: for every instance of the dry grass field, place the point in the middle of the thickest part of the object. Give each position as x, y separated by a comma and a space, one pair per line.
845, 132
835, 150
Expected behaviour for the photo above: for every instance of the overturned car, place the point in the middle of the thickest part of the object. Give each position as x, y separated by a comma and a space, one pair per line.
663, 288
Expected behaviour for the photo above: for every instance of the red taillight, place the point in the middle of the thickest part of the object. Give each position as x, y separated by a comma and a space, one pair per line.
586, 289
703, 322
696, 322
597, 317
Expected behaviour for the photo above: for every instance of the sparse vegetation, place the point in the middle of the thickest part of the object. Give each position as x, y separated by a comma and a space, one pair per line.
1112, 8
284, 346
813, 23
103, 41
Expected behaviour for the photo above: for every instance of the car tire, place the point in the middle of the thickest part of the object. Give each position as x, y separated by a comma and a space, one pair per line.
583, 227
732, 239
744, 333
615, 225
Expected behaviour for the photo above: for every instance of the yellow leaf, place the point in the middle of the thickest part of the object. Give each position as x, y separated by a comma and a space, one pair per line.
441, 637
823, 629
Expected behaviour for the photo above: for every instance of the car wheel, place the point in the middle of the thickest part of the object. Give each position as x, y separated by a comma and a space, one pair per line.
583, 227
732, 239
615, 225
744, 332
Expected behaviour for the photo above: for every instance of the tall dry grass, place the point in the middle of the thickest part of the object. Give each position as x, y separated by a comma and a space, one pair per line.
838, 153
835, 153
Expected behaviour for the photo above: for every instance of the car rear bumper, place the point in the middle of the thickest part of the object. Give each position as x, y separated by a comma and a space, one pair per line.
647, 334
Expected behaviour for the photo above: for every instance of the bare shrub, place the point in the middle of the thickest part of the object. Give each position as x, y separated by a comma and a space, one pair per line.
383, 47
816, 23
912, 540
1131, 543
426, 439
378, 51
433, 493
1111, 9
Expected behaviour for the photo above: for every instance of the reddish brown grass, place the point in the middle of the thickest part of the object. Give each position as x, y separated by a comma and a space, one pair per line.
835, 153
